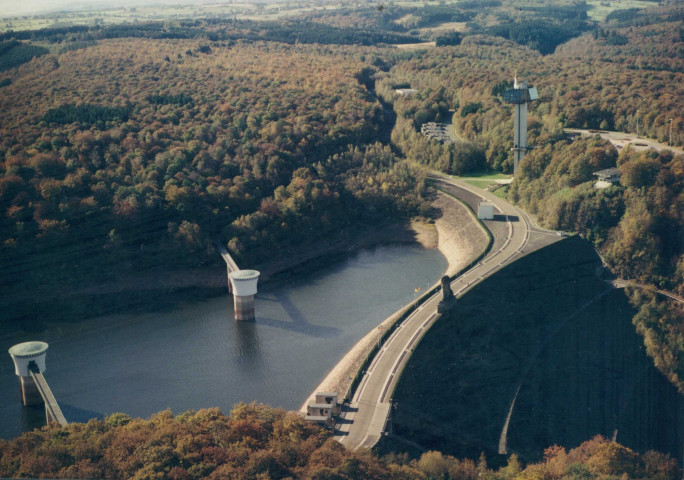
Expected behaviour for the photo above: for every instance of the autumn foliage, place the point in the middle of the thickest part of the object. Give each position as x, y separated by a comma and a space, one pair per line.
259, 442
134, 155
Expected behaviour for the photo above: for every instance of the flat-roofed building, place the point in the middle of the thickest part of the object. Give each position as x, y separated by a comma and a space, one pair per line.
607, 177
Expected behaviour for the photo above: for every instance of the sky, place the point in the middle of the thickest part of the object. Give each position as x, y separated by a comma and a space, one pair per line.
11, 8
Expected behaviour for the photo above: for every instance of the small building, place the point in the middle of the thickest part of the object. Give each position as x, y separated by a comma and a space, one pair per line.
322, 409
405, 91
607, 177
485, 211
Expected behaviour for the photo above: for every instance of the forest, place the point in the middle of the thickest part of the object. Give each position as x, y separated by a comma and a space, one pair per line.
287, 31
266, 147
258, 442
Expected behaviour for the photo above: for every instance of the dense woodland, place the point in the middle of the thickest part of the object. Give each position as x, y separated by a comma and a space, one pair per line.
137, 154
130, 149
258, 442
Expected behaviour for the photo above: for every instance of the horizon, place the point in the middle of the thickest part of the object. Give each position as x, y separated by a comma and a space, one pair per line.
10, 9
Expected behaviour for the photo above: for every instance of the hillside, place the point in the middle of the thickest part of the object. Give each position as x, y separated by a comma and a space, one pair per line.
268, 148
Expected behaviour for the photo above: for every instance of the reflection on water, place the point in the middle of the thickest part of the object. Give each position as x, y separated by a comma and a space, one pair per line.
247, 346
197, 356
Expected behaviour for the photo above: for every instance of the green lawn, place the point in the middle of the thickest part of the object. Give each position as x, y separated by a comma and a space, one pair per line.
480, 183
487, 174
501, 192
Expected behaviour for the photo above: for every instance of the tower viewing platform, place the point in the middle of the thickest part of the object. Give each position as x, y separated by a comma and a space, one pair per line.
520, 95
29, 365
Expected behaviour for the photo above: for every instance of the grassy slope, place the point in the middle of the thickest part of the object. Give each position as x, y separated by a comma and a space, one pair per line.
590, 375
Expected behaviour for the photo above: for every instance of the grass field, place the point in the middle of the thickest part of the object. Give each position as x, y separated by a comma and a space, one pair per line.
547, 324
481, 183
501, 192
488, 175
601, 8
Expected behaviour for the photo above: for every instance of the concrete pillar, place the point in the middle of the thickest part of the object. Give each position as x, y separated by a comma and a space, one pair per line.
244, 308
244, 283
29, 392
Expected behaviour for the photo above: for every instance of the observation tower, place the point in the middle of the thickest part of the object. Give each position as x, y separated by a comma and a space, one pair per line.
27, 356
244, 287
520, 95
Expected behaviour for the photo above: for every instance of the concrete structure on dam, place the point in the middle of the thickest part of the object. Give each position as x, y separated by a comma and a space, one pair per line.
29, 365
242, 284
244, 287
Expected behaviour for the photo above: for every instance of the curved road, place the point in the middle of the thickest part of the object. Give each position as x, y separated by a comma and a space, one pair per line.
362, 422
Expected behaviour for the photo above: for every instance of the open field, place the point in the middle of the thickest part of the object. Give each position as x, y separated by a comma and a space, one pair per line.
415, 46
601, 8
112, 16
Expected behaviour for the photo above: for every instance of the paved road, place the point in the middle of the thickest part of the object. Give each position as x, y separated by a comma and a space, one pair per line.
515, 234
622, 139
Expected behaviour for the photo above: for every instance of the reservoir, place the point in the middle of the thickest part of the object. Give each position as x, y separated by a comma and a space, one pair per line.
196, 356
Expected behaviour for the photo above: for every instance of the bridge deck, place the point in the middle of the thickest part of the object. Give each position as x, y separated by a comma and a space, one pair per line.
52, 410
230, 263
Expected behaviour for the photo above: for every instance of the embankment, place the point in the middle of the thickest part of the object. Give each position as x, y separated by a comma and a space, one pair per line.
459, 237
540, 323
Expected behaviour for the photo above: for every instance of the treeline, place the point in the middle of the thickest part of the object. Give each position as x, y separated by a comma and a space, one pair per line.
88, 114
13, 53
642, 17
215, 30
168, 99
431, 15
327, 200
259, 442
430, 106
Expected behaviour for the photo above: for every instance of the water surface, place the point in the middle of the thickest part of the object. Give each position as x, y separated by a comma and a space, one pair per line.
196, 356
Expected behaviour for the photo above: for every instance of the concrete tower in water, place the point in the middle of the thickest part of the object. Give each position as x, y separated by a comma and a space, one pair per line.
520, 95
25, 356
244, 287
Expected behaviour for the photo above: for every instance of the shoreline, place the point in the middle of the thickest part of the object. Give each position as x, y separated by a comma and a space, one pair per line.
455, 234
274, 272
163, 289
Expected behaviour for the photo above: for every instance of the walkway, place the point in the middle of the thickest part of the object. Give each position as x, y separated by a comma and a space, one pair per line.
620, 283
52, 411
